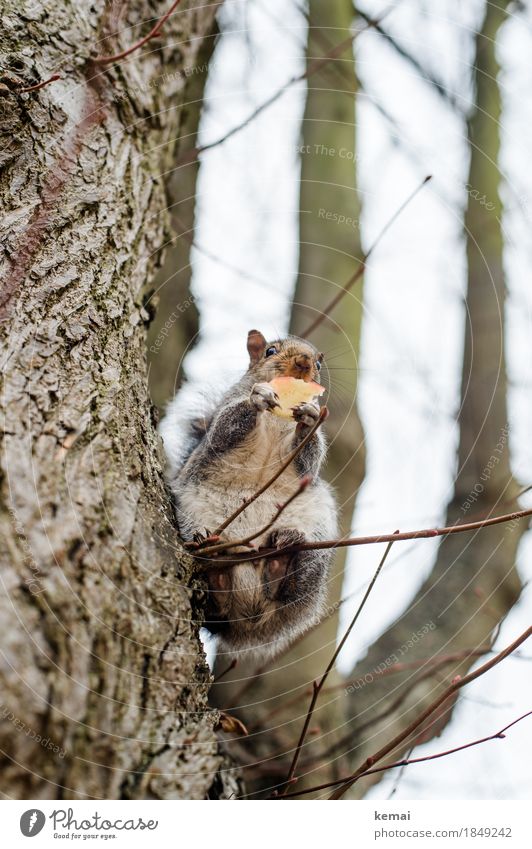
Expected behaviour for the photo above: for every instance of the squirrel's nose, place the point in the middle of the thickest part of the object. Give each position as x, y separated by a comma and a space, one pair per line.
302, 362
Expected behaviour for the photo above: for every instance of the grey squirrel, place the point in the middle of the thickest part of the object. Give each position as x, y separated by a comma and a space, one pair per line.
262, 605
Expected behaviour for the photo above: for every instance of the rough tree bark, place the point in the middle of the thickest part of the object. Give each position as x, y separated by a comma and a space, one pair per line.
329, 253
474, 582
100, 651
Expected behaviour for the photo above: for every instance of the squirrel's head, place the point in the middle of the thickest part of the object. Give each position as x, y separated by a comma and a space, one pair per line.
290, 357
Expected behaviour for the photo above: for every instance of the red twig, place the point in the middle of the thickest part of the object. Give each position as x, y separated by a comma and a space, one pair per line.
499, 735
193, 544
402, 736
374, 718
106, 60
222, 546
425, 533
360, 270
433, 663
259, 670
37, 86
293, 454
318, 686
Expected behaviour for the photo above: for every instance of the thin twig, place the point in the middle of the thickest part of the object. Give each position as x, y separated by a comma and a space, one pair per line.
499, 735
293, 454
398, 778
453, 688
106, 60
360, 270
423, 72
425, 533
318, 686
188, 234
429, 672
222, 546
433, 664
37, 86
259, 670
226, 670
313, 67
194, 543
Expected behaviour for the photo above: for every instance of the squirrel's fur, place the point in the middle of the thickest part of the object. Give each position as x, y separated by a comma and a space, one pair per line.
225, 457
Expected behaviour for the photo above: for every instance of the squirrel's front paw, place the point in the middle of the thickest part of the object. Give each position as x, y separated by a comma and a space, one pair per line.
306, 414
263, 397
285, 537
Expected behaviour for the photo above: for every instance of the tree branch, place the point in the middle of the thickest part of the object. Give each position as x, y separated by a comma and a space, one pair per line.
106, 60
318, 686
499, 735
38, 86
415, 63
222, 546
324, 412
454, 687
425, 533
360, 270
226, 670
434, 663
315, 66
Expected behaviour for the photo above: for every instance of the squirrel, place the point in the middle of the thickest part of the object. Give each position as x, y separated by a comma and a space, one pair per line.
262, 605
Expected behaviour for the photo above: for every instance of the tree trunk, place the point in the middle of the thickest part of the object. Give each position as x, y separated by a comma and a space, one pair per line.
474, 582
329, 253
100, 652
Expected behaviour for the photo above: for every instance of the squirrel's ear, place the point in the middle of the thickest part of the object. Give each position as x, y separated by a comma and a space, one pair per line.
256, 345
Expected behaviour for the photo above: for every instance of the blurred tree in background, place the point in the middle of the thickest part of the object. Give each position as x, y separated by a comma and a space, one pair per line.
175, 326
329, 251
474, 582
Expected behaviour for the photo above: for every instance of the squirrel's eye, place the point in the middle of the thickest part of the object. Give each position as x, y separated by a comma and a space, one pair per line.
271, 351
318, 365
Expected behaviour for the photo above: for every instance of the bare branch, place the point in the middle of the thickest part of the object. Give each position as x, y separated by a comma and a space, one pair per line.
425, 533
234, 269
404, 735
226, 670
38, 86
222, 546
106, 60
434, 664
318, 686
426, 75
324, 412
429, 672
499, 735
312, 68
360, 270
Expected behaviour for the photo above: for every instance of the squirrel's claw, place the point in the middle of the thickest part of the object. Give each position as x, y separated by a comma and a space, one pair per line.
263, 397
306, 414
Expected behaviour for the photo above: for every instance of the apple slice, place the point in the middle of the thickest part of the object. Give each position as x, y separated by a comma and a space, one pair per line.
291, 392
